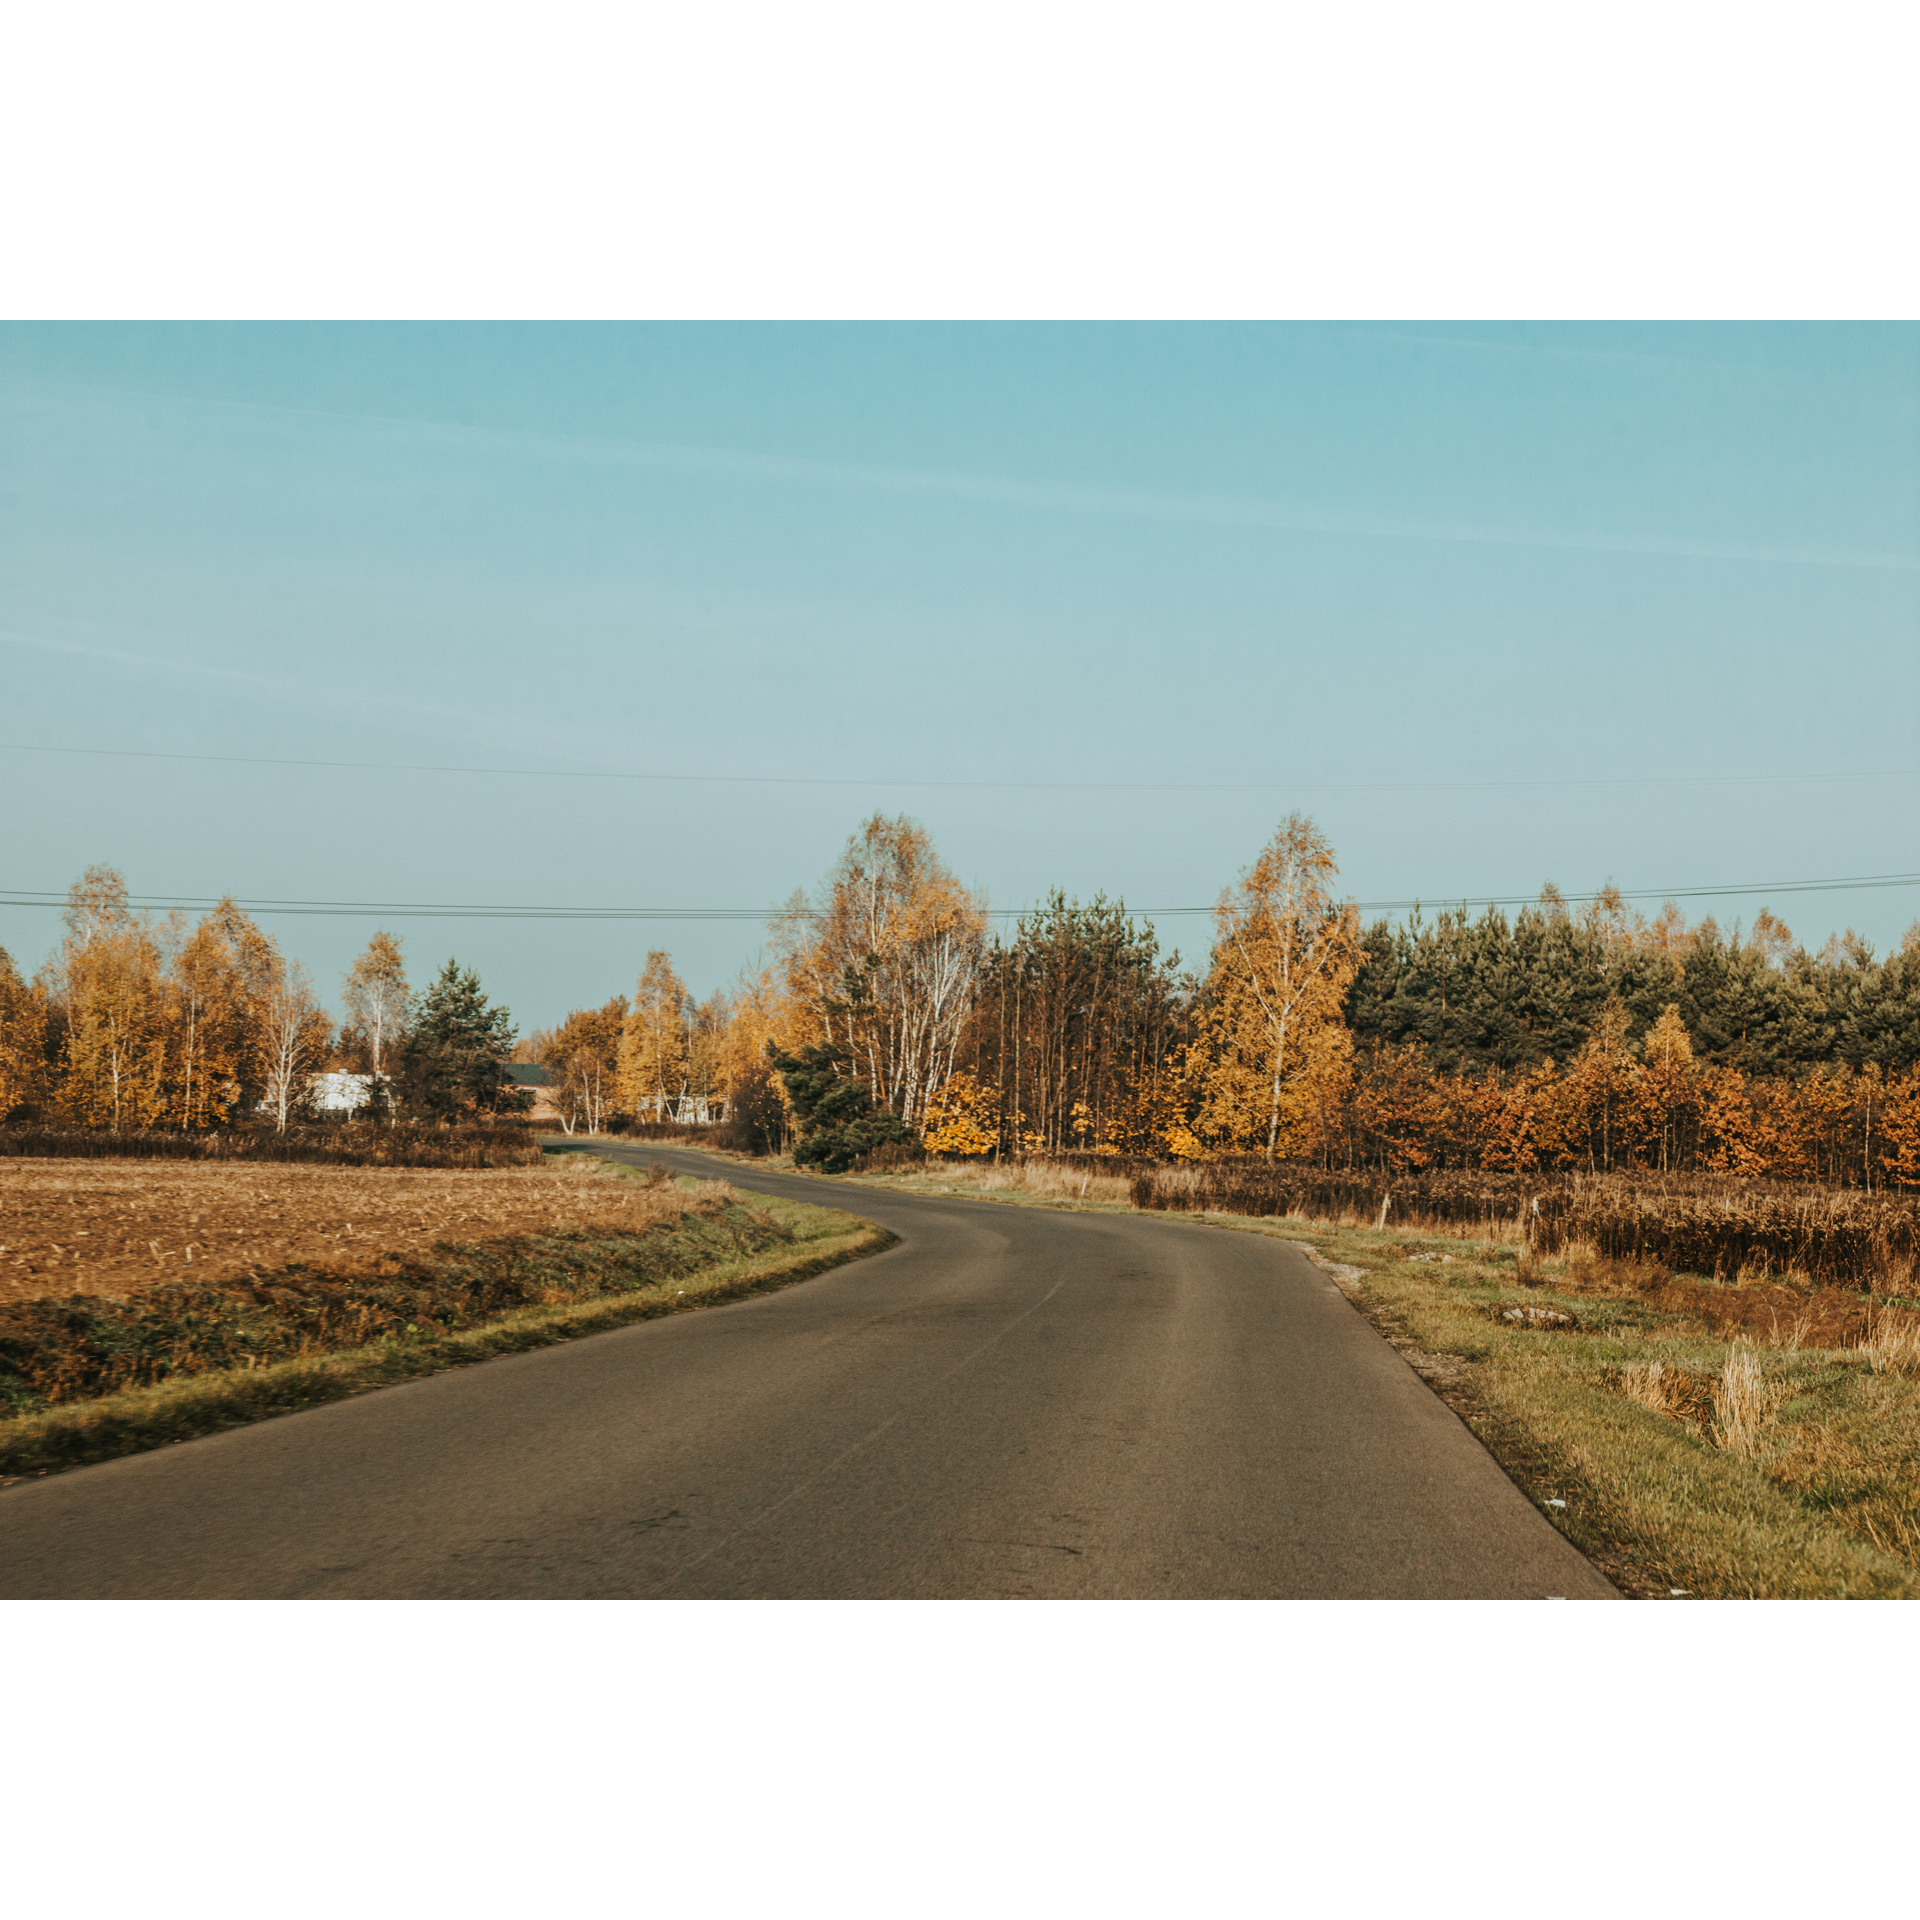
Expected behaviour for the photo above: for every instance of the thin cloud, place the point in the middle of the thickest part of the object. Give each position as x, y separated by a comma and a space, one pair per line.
1045, 496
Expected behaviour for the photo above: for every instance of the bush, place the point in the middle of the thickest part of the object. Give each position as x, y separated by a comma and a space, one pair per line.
683, 1133
350, 1144
839, 1123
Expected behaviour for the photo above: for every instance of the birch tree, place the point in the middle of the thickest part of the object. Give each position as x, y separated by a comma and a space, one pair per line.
654, 1041
294, 1031
886, 959
107, 990
1285, 952
584, 1055
375, 998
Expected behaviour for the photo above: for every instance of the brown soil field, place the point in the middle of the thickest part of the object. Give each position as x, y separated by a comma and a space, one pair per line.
114, 1227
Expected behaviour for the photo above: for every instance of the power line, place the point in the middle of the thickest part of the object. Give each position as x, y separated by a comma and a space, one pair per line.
969, 786
447, 910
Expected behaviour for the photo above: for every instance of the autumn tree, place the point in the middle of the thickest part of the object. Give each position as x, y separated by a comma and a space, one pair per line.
1668, 1090
654, 1041
1285, 952
761, 1012
106, 985
1398, 1107
1900, 1131
583, 1054
375, 1000
884, 959
963, 1118
296, 1032
1601, 1084
707, 1024
247, 971
23, 1040
220, 979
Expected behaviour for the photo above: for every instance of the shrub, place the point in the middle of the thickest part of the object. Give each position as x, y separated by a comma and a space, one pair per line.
353, 1144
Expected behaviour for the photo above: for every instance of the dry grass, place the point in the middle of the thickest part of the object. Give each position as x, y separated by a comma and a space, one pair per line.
1892, 1344
1700, 1223
1744, 1402
1730, 1439
114, 1227
1012, 1179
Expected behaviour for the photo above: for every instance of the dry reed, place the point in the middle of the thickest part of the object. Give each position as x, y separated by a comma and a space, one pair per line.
1698, 1223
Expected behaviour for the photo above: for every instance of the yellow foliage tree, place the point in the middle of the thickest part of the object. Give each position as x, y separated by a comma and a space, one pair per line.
1600, 1084
1669, 1094
1900, 1130
1285, 952
584, 1057
23, 1030
375, 999
654, 1041
963, 1118
106, 984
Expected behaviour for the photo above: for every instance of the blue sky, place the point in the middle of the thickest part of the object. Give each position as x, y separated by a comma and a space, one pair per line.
1369, 571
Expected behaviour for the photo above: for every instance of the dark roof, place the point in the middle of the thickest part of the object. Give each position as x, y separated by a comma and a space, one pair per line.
523, 1073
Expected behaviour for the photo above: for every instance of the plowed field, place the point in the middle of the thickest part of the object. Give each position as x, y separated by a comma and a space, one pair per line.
113, 1227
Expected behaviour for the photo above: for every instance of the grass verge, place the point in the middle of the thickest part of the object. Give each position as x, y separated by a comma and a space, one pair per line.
1677, 1450
625, 1278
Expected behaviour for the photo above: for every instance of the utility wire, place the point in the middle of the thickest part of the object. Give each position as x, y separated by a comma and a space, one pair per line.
427, 910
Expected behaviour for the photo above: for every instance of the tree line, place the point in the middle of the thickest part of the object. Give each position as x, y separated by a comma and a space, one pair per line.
884, 1013
139, 1022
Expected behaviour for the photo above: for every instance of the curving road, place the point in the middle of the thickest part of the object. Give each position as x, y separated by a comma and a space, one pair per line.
1011, 1402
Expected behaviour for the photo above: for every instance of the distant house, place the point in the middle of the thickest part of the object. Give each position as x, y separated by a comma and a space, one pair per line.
538, 1082
341, 1093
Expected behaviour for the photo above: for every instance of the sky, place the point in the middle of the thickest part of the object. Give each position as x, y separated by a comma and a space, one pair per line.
1098, 605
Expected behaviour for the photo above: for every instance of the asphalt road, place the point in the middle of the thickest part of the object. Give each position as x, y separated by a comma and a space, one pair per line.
1011, 1402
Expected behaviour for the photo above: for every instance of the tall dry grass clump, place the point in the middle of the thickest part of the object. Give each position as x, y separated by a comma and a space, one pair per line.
1677, 1392
1732, 1408
1892, 1344
1743, 1402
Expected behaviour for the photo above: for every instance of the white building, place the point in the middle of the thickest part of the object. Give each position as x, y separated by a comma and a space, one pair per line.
341, 1093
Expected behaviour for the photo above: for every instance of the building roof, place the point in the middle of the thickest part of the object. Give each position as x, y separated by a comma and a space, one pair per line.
523, 1073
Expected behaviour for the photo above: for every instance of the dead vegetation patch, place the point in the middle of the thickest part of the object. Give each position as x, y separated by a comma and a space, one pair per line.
1769, 1312
57, 1349
114, 1227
